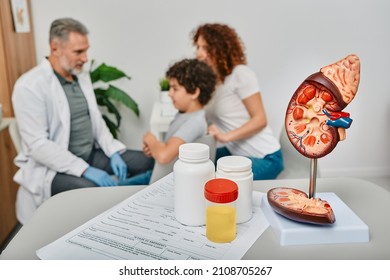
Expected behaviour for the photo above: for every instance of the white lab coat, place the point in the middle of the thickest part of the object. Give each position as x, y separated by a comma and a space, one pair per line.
43, 117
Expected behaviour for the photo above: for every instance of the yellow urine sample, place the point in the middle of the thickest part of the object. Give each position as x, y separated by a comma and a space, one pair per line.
221, 223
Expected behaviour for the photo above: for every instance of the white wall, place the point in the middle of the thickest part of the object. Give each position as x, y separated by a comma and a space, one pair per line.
285, 40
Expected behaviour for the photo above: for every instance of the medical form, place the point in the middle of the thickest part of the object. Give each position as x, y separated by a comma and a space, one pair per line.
143, 227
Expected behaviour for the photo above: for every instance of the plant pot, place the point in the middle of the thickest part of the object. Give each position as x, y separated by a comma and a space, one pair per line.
164, 97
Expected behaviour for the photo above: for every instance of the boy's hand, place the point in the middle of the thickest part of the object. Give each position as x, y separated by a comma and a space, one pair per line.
147, 151
149, 139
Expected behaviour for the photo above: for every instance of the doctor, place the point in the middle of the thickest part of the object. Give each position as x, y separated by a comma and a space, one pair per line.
65, 141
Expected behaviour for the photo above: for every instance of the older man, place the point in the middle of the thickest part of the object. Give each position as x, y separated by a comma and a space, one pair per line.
65, 141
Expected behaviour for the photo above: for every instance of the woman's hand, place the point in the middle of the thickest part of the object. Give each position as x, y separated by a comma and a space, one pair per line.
256, 123
218, 135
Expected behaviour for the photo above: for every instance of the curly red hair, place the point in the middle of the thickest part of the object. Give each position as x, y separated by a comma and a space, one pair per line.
225, 47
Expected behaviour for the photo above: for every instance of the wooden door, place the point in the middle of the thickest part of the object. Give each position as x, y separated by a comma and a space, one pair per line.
17, 55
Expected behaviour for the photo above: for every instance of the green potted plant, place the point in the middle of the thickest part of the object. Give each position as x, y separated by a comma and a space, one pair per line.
164, 84
106, 94
164, 90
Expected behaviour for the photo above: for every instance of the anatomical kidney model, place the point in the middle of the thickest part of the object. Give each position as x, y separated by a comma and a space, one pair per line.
315, 123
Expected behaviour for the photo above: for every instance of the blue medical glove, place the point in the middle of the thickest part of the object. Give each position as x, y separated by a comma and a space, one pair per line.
118, 166
99, 177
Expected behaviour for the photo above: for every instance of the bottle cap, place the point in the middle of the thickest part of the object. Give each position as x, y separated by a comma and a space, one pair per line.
194, 151
221, 190
234, 163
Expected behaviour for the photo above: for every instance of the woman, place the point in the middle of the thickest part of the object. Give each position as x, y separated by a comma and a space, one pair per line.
236, 112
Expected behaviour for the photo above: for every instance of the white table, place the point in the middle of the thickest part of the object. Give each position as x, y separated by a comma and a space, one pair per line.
66, 211
162, 115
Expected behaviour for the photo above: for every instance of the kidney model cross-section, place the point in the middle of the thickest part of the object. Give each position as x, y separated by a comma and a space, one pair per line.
315, 122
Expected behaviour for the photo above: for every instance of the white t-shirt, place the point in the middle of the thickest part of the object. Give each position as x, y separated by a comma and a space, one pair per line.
228, 112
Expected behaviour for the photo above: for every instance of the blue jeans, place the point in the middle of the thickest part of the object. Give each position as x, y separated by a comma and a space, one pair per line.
266, 168
137, 164
140, 179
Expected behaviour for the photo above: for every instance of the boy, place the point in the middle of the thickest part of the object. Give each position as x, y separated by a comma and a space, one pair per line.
191, 84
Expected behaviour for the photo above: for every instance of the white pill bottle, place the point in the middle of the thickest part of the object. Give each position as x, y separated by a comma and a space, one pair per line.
190, 173
239, 170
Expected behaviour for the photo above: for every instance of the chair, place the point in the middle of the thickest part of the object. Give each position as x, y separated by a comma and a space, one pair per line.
295, 164
161, 170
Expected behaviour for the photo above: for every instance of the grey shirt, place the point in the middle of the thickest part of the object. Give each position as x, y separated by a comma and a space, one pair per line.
188, 126
81, 138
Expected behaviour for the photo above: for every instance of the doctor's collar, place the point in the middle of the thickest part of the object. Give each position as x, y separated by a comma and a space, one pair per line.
64, 81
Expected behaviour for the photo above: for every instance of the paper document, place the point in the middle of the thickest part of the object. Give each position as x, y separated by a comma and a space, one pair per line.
143, 226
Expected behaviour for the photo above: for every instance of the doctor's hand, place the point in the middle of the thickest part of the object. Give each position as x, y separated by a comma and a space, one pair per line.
118, 166
99, 177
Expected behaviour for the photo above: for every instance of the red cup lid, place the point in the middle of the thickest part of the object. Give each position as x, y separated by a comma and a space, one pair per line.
221, 190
